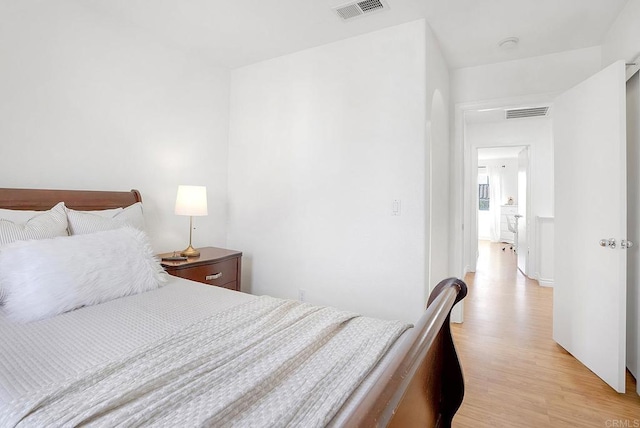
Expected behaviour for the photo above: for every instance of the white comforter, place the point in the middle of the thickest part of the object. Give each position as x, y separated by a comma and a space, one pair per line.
265, 362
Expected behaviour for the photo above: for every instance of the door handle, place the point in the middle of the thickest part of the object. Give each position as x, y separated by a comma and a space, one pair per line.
625, 243
611, 243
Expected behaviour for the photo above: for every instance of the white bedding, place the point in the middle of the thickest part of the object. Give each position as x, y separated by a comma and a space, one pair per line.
38, 355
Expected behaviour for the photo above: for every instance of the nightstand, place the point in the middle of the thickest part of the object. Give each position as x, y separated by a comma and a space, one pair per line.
215, 266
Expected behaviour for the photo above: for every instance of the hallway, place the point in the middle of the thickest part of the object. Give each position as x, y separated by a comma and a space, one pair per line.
515, 374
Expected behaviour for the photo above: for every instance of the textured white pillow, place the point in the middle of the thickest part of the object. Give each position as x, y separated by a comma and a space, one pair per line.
83, 222
23, 216
48, 277
47, 224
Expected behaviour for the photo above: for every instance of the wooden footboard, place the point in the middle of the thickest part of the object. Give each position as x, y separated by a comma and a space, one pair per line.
422, 386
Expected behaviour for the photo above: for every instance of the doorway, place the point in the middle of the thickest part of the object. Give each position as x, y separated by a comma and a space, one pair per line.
503, 200
523, 148
485, 125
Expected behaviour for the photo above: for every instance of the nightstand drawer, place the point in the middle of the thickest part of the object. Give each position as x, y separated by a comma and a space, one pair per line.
215, 266
218, 274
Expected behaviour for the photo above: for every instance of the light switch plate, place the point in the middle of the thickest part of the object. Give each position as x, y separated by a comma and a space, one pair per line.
396, 207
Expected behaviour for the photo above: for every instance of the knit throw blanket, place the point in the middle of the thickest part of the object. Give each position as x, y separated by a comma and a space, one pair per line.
269, 362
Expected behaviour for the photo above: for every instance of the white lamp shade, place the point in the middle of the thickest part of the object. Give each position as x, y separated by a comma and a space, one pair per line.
191, 200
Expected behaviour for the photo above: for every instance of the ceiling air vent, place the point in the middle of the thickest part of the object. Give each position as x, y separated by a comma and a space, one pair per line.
518, 113
352, 10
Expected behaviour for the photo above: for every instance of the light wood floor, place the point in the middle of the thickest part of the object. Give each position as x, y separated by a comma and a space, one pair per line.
515, 374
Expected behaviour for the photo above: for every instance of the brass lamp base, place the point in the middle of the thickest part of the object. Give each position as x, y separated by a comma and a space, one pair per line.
190, 252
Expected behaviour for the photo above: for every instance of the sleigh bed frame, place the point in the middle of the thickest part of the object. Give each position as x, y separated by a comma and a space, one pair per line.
421, 386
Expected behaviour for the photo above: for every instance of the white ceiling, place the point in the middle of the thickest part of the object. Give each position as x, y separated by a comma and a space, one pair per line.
240, 32
234, 33
469, 30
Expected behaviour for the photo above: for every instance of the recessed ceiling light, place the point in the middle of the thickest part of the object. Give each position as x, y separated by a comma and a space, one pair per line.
509, 43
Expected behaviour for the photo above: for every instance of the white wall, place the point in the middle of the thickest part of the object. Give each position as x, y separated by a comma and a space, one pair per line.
484, 225
91, 104
438, 164
622, 41
546, 251
321, 142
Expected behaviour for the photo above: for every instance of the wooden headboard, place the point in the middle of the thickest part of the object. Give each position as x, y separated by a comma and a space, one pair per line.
41, 200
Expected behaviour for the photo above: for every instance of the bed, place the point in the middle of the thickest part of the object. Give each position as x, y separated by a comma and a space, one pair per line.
415, 380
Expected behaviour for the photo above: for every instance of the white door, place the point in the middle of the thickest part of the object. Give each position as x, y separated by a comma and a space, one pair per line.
633, 226
523, 219
589, 299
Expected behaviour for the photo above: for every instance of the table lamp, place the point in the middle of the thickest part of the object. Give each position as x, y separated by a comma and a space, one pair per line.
191, 201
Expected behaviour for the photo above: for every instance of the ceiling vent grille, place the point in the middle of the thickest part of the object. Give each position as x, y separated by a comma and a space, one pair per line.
519, 113
352, 10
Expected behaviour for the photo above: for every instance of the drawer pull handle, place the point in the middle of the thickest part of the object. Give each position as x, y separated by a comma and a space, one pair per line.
214, 276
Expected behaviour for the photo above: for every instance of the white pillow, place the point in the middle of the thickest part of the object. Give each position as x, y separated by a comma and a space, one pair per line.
18, 216
47, 224
44, 278
23, 216
81, 223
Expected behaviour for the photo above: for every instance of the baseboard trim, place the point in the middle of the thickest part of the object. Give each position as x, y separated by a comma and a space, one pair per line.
467, 269
545, 282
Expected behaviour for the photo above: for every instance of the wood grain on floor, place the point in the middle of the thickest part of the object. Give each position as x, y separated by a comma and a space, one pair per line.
515, 374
